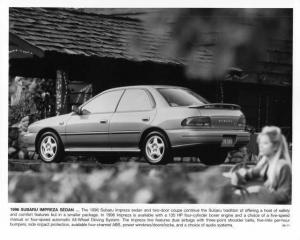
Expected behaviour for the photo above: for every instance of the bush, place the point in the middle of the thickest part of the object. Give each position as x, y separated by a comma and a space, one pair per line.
124, 183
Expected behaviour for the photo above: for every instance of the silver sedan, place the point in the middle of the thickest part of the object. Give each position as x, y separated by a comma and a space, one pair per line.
158, 122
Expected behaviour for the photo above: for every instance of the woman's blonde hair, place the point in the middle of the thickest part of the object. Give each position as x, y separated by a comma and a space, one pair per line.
281, 149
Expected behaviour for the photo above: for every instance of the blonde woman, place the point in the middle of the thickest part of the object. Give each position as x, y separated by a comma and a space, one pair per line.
273, 168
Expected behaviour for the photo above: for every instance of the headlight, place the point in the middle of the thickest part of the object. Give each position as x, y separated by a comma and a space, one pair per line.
30, 128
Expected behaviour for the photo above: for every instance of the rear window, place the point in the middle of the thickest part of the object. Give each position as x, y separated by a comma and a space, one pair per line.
178, 97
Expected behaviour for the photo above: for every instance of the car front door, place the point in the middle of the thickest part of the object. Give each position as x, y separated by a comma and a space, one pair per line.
89, 130
134, 113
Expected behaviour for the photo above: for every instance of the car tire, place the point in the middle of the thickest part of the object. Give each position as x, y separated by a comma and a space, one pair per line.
50, 147
156, 148
213, 156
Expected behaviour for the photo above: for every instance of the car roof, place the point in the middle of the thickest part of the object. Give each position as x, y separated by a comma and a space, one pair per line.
145, 86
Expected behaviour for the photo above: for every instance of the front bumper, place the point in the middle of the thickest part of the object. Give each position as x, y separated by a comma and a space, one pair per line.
193, 137
29, 141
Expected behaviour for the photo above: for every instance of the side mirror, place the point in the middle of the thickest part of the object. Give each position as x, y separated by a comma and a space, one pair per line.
76, 109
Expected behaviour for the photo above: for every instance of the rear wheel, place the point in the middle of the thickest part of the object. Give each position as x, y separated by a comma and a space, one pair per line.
50, 147
156, 149
213, 156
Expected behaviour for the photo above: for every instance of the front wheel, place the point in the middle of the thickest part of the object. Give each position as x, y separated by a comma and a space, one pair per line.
50, 147
156, 149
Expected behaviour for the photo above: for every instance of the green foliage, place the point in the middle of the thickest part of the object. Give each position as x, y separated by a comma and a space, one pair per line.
37, 100
122, 183
17, 112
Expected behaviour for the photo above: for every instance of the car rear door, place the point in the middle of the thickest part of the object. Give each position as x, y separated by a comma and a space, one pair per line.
89, 131
134, 113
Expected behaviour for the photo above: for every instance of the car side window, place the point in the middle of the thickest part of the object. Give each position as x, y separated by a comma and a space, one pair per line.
106, 102
135, 100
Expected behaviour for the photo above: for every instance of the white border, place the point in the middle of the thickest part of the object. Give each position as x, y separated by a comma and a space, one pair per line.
243, 232
155, 3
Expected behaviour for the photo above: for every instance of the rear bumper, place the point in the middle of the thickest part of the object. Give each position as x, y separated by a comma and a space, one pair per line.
29, 141
194, 137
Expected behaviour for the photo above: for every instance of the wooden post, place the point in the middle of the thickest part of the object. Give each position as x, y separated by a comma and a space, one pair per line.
62, 95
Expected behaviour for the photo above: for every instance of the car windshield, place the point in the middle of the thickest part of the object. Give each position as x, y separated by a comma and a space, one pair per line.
181, 97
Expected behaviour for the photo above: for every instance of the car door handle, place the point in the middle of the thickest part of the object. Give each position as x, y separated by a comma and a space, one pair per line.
146, 119
103, 121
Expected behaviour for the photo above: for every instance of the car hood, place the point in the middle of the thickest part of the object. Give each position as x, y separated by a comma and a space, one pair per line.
49, 122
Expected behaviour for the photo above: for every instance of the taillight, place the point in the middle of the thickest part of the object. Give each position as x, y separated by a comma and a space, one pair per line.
197, 122
242, 122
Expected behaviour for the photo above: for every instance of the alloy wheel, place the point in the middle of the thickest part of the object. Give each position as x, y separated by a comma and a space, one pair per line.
155, 148
48, 148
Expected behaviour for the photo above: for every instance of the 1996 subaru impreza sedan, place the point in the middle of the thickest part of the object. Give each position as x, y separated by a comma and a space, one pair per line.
155, 121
